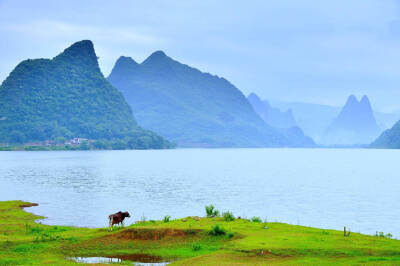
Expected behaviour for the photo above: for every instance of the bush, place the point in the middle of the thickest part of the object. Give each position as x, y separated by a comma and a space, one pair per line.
382, 234
196, 247
217, 230
228, 216
211, 211
256, 219
166, 218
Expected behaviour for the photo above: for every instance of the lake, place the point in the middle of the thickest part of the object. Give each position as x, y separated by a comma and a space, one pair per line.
325, 188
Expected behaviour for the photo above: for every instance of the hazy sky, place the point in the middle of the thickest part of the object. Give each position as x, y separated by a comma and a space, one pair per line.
313, 51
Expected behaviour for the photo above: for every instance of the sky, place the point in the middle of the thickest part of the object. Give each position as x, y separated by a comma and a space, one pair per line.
297, 50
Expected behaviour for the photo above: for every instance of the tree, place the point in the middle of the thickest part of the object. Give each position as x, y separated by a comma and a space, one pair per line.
17, 137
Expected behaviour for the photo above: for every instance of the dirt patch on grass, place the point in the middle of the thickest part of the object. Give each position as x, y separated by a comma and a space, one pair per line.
151, 234
27, 205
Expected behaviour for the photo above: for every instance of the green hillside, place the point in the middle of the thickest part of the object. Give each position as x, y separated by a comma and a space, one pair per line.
193, 108
68, 97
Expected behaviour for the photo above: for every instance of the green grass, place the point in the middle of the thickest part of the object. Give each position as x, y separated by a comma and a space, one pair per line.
188, 242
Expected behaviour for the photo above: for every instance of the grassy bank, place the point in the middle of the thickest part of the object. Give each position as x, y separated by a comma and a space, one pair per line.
188, 241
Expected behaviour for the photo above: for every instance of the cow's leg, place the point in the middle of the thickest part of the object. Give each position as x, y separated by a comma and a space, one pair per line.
110, 225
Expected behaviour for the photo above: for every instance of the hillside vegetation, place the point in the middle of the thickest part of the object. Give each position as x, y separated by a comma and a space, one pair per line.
194, 109
65, 97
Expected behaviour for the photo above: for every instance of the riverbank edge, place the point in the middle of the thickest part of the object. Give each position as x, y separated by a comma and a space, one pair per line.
25, 241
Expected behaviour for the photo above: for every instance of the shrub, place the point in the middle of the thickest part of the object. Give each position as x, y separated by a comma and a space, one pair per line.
256, 219
211, 211
382, 234
228, 216
231, 234
166, 218
217, 230
196, 247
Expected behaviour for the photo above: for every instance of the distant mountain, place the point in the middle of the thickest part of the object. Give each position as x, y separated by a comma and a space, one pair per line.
310, 117
272, 116
389, 139
314, 119
355, 124
192, 108
66, 97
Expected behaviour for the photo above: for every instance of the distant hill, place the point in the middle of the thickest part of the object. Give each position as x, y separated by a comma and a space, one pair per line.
312, 118
272, 116
389, 139
192, 108
67, 97
355, 124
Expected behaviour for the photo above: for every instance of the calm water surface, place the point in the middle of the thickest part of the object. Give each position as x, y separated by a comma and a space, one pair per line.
326, 188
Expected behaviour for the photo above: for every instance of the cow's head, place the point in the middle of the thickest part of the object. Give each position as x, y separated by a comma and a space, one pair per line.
126, 214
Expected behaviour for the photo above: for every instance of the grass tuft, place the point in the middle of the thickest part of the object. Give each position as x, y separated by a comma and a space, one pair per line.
256, 219
228, 216
217, 230
166, 218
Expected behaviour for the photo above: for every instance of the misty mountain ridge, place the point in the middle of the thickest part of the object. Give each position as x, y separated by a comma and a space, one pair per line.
67, 97
193, 108
272, 116
389, 139
355, 124
314, 118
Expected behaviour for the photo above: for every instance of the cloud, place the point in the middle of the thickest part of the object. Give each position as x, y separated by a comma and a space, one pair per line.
318, 51
48, 29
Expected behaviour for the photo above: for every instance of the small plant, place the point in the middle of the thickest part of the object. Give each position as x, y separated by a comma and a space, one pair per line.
382, 234
190, 231
211, 211
256, 220
346, 233
228, 216
217, 230
196, 247
166, 218
231, 234
379, 234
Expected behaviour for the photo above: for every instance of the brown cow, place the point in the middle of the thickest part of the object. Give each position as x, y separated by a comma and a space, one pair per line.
117, 218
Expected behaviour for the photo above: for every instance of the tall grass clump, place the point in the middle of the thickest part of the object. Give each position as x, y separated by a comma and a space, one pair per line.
211, 211
166, 218
228, 216
217, 230
382, 234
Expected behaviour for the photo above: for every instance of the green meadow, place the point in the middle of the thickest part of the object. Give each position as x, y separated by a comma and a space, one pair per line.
219, 240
